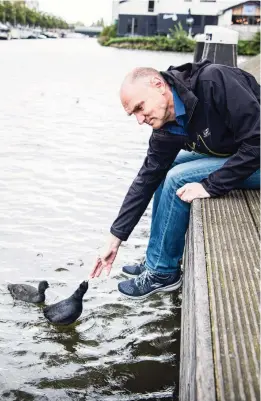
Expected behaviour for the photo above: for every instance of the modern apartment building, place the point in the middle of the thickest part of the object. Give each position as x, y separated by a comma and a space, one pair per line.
156, 17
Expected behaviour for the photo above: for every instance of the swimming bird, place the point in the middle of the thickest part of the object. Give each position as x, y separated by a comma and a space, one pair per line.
67, 311
28, 293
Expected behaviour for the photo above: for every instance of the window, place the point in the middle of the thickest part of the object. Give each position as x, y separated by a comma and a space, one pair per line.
211, 20
132, 26
151, 6
209, 1
197, 20
129, 23
245, 20
249, 9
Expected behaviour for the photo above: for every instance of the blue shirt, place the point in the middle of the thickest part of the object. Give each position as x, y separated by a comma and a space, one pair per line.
181, 117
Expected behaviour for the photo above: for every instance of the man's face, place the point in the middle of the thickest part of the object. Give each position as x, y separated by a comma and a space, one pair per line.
146, 101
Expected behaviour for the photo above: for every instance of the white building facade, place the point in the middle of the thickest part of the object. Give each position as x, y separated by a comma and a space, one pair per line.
146, 17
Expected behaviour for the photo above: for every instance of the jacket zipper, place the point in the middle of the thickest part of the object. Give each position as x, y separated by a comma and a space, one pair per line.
193, 147
199, 137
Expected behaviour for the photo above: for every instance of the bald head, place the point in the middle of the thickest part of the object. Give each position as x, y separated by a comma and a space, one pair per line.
144, 73
145, 93
141, 75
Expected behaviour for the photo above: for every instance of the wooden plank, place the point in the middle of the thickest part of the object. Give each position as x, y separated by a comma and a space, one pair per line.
253, 201
233, 265
197, 371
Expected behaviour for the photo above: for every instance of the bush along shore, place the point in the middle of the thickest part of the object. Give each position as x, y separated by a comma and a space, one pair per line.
177, 41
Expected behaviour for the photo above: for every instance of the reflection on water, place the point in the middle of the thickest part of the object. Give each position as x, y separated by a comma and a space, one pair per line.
68, 154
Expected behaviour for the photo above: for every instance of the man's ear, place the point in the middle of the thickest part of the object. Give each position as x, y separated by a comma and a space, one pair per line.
158, 83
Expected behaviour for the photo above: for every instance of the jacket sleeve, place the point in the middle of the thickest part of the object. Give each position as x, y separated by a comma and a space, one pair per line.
163, 149
235, 102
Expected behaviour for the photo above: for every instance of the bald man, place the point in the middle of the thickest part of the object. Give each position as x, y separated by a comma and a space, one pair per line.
205, 121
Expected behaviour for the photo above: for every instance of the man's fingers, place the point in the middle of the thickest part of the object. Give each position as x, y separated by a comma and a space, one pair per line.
186, 199
187, 196
191, 191
181, 190
100, 265
108, 268
96, 268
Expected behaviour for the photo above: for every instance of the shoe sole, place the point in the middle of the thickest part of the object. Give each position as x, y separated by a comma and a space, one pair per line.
169, 288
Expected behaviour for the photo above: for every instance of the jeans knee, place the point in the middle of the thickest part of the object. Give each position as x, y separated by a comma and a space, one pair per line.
175, 177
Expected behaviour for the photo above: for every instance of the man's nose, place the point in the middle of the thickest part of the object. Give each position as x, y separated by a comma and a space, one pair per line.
140, 118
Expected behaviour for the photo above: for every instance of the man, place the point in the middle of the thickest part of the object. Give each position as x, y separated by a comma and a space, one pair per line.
205, 142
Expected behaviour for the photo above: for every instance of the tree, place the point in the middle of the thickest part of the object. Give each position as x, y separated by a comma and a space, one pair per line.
18, 13
79, 23
100, 22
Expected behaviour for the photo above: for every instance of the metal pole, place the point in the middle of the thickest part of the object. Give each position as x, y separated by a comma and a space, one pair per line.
132, 26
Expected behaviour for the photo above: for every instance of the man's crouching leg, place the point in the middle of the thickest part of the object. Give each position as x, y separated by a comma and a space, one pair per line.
161, 272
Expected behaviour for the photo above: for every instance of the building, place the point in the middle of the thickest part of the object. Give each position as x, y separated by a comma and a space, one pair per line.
242, 17
156, 17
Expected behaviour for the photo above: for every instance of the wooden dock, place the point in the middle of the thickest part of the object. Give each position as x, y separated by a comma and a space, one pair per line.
220, 328
220, 334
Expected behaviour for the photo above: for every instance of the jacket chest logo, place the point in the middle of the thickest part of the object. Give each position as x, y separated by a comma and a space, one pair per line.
206, 132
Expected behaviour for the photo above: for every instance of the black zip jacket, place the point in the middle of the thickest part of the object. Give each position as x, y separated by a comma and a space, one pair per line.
223, 108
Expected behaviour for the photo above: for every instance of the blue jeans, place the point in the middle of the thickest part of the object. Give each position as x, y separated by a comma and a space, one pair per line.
170, 215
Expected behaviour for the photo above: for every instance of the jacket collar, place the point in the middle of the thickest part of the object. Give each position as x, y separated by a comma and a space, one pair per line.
183, 80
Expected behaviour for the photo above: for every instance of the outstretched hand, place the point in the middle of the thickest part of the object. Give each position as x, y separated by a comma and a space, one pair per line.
105, 262
191, 191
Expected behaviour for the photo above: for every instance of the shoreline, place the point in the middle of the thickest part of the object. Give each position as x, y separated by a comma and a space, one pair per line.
182, 44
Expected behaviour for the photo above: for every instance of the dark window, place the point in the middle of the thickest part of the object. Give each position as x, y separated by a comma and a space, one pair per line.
208, 0
151, 6
132, 25
245, 20
129, 25
210, 20
197, 20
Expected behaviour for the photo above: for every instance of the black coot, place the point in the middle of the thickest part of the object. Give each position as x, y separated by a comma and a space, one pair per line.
67, 311
28, 293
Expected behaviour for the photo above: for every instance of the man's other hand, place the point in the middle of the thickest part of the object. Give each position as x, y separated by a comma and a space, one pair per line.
106, 260
191, 191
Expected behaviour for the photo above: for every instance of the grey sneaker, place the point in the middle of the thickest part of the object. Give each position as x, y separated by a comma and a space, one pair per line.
148, 283
134, 270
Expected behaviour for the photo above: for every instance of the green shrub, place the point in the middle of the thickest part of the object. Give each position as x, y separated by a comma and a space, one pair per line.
150, 43
182, 43
107, 33
177, 42
110, 31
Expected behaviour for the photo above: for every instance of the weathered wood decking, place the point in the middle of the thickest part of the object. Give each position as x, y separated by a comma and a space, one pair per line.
220, 311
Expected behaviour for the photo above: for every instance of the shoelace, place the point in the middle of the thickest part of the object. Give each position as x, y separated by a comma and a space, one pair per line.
140, 280
142, 264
